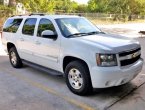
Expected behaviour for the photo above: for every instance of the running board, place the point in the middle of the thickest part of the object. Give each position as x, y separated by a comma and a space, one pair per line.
41, 68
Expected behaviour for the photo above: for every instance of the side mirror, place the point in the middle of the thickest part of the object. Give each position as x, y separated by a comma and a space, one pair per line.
49, 34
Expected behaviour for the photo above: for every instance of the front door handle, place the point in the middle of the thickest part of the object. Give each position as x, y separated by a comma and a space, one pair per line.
37, 42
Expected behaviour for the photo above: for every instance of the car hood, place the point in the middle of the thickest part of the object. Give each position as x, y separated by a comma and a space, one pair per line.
112, 43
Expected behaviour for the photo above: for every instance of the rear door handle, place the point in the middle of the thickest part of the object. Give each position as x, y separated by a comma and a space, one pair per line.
21, 39
37, 42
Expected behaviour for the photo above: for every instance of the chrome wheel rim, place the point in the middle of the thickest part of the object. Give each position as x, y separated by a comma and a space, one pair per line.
75, 78
13, 58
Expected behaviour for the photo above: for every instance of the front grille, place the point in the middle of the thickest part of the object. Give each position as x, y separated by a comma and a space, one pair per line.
129, 61
129, 57
128, 52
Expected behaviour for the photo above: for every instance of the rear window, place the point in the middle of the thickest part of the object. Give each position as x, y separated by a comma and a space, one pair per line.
12, 25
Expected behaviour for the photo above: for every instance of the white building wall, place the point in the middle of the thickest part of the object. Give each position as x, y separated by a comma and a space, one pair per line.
20, 9
6, 2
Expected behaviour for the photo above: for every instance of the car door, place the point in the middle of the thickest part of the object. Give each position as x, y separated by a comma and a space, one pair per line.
47, 50
26, 42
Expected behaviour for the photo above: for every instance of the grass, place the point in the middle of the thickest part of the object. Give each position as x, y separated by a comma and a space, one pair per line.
107, 22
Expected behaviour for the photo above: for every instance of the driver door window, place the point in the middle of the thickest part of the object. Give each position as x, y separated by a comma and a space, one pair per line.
45, 24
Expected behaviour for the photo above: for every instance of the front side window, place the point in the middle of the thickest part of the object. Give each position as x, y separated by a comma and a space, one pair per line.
29, 26
45, 24
12, 25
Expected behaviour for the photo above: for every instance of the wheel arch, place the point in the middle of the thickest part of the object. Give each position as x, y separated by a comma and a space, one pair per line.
68, 59
9, 46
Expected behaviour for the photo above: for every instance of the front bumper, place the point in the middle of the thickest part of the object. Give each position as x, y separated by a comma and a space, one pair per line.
103, 77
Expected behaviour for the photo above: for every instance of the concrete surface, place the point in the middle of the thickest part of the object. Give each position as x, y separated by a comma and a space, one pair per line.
135, 100
31, 89
2, 53
129, 30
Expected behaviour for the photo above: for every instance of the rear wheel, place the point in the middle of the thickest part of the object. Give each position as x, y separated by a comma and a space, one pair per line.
14, 58
78, 78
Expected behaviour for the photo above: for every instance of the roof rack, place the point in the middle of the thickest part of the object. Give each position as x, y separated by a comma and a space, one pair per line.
41, 14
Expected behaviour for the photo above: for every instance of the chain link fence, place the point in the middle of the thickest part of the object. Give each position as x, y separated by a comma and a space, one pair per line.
101, 17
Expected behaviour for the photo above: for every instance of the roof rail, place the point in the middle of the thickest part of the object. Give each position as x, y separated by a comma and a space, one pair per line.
41, 14
19, 15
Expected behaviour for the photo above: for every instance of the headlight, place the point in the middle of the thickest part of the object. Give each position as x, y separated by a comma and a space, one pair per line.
106, 60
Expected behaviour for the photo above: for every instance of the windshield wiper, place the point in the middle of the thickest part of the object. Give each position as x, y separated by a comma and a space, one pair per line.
77, 34
84, 34
94, 32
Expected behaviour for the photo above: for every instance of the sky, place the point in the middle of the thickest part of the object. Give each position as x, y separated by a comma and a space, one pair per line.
81, 1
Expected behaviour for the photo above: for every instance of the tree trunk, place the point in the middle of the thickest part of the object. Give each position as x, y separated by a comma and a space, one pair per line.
12, 3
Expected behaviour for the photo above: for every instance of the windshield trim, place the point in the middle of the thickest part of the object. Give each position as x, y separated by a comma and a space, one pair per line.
58, 24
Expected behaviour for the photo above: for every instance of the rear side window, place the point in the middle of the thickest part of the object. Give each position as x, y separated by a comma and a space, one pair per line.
29, 26
12, 25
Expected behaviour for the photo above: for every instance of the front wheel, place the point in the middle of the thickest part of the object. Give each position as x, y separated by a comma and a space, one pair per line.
14, 58
78, 78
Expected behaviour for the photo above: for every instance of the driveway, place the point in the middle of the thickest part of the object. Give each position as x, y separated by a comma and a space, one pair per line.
130, 29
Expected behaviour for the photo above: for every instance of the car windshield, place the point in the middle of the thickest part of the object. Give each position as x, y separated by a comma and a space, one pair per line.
75, 27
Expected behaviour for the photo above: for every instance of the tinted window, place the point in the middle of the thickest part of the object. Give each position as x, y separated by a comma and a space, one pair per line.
12, 25
29, 26
45, 24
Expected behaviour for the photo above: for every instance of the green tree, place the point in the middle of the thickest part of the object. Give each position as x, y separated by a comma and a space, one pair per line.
81, 8
140, 8
74, 6
64, 5
98, 5
41, 6
49, 5
126, 8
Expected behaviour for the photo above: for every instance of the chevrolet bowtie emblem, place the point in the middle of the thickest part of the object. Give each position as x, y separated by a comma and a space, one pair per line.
134, 55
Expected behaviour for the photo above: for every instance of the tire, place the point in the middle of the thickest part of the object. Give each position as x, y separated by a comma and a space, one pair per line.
78, 78
14, 58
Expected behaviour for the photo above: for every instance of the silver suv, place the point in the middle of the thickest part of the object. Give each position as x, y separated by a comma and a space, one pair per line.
72, 46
